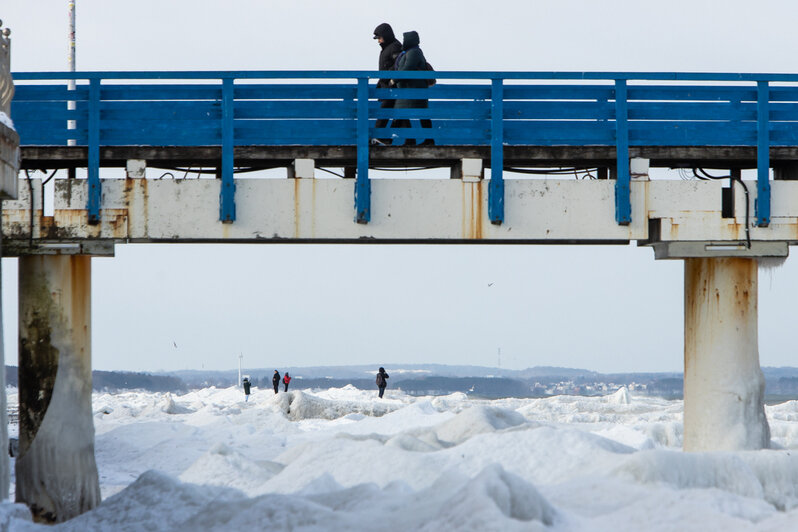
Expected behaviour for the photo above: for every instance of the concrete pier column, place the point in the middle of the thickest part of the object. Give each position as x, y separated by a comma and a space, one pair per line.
56, 473
723, 383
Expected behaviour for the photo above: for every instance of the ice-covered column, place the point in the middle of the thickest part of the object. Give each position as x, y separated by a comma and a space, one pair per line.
5, 468
723, 383
56, 474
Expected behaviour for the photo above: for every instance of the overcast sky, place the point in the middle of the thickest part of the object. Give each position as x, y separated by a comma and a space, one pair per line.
606, 308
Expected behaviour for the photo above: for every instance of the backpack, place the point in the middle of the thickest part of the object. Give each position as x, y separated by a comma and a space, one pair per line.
433, 81
427, 66
380, 380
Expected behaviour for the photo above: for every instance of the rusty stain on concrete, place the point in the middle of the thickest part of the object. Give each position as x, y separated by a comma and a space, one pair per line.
296, 207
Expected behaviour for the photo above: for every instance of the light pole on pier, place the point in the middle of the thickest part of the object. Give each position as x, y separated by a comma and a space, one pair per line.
71, 63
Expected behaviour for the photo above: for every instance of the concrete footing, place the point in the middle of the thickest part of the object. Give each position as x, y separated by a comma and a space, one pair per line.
56, 473
723, 383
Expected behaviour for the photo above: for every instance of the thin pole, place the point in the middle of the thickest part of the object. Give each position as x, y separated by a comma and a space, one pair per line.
240, 358
71, 83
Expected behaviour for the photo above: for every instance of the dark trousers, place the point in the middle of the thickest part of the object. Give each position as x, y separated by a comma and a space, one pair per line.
276, 386
426, 123
286, 386
382, 390
385, 104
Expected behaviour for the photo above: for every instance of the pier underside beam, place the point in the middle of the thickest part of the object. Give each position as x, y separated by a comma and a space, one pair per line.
723, 383
56, 473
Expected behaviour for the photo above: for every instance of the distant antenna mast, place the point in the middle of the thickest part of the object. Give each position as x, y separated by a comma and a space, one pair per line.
71, 82
240, 358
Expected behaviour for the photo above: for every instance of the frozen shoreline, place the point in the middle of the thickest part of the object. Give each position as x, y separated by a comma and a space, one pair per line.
340, 459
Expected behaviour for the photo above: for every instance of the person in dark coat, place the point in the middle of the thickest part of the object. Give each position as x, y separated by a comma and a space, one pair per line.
412, 58
276, 381
382, 381
247, 386
286, 380
390, 49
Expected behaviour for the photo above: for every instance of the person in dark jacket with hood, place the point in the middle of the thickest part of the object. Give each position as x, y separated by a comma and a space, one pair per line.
412, 58
381, 381
276, 380
391, 47
247, 386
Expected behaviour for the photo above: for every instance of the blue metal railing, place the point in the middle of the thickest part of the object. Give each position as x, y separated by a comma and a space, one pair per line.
494, 109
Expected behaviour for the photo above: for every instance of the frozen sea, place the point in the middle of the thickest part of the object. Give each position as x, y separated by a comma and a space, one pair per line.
341, 459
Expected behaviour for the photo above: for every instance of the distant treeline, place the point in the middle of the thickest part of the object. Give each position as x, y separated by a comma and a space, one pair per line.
669, 386
120, 380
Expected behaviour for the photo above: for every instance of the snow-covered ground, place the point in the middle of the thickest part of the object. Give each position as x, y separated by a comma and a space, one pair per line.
341, 459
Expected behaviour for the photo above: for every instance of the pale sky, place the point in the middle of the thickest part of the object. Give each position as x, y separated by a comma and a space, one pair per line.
605, 308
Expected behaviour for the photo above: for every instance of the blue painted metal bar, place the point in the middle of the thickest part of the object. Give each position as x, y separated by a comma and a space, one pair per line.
623, 203
496, 187
95, 187
227, 206
439, 74
763, 156
362, 183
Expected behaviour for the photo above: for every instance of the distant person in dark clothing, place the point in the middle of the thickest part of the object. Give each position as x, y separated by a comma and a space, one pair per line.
412, 58
276, 381
286, 380
247, 386
382, 381
391, 47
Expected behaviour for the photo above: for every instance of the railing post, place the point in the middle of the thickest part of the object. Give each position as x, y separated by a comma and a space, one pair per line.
227, 205
95, 187
496, 187
762, 155
623, 205
362, 183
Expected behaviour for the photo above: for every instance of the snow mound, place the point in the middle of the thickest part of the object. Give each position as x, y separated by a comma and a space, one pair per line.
171, 407
13, 514
512, 496
423, 443
771, 476
668, 434
222, 466
154, 502
299, 405
477, 420
621, 397
454, 402
494, 500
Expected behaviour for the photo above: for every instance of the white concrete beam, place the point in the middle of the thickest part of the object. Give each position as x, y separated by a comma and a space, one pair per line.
423, 210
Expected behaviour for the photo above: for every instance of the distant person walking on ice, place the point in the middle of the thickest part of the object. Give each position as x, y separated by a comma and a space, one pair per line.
381, 381
247, 385
286, 380
276, 381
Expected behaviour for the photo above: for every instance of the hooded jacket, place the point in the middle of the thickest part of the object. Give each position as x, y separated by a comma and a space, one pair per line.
391, 48
412, 58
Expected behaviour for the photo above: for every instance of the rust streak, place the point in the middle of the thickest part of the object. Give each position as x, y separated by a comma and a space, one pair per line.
296, 207
478, 227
